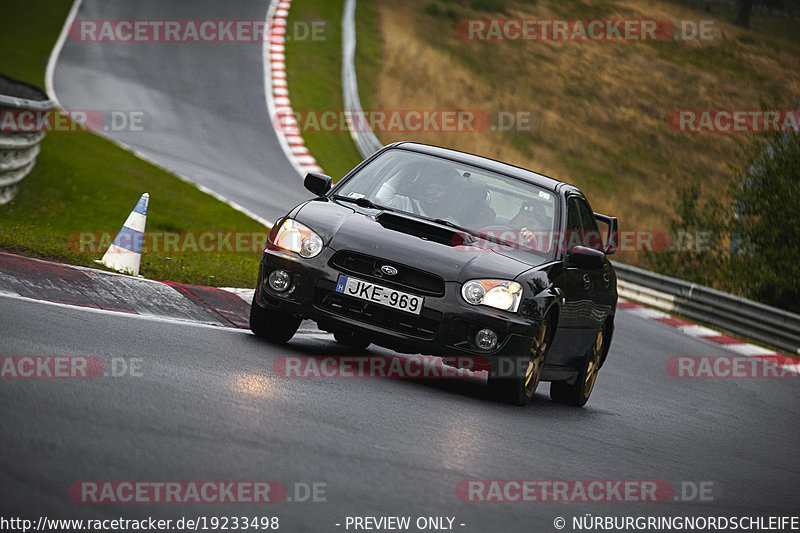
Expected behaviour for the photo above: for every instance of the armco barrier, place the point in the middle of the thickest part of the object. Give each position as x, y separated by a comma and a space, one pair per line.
754, 320
365, 139
18, 149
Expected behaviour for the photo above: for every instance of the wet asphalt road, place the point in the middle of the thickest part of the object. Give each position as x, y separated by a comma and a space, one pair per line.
208, 406
201, 104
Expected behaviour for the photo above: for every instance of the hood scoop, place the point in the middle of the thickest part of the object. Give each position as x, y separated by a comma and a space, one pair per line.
430, 231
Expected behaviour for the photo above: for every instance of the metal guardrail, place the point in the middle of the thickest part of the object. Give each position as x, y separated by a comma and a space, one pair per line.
754, 320
20, 103
365, 139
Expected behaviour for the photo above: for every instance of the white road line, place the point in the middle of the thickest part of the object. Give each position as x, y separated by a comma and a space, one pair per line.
749, 349
155, 318
51, 61
650, 314
698, 331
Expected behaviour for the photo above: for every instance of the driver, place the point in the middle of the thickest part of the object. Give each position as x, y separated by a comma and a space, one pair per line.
429, 189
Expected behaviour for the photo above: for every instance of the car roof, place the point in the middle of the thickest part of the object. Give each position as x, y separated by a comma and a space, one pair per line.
539, 180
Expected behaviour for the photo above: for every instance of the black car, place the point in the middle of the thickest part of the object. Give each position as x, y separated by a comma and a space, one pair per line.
427, 250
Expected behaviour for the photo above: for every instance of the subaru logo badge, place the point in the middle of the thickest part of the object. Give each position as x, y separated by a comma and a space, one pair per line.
389, 270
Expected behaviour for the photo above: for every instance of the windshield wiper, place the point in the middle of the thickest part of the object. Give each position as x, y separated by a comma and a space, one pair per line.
449, 224
361, 202
477, 234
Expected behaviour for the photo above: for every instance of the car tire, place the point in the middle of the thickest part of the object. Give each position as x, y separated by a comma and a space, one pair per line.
271, 325
578, 393
351, 339
514, 380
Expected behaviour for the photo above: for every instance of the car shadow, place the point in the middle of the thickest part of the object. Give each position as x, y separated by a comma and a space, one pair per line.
341, 361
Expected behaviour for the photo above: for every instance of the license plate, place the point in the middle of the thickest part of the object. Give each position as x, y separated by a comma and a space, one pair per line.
364, 290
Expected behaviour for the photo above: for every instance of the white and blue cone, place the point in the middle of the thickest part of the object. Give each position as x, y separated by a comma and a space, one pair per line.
125, 253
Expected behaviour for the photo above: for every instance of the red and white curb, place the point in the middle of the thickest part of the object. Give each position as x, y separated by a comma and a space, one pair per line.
735, 346
277, 91
244, 294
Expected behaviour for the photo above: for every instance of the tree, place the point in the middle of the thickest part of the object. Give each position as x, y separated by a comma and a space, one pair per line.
768, 223
753, 247
743, 18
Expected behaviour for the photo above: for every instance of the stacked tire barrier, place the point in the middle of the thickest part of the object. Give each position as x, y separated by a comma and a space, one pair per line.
772, 326
23, 120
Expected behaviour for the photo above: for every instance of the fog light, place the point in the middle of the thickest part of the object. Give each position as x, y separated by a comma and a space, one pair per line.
280, 280
486, 339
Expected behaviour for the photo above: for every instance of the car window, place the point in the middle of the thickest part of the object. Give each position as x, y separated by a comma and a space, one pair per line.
591, 232
582, 227
495, 206
573, 215
436, 188
572, 232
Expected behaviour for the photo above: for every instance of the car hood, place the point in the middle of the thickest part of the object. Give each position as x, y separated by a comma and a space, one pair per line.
363, 230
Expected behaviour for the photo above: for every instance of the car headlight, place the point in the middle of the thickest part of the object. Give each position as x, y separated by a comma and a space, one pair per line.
297, 238
496, 293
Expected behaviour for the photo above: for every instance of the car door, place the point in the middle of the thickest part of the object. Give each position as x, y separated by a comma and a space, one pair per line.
599, 279
576, 334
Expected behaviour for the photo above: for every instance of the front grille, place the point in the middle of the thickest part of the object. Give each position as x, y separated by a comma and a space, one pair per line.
423, 326
407, 277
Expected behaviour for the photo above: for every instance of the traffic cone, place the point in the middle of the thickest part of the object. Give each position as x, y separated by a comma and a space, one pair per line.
125, 253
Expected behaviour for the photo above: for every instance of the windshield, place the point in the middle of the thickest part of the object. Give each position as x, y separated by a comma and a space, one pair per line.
498, 208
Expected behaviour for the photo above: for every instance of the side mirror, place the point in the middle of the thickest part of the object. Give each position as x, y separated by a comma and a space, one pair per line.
612, 237
583, 257
317, 183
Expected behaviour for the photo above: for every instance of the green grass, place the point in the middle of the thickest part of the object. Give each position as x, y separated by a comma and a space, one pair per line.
368, 52
28, 31
314, 74
85, 183
601, 108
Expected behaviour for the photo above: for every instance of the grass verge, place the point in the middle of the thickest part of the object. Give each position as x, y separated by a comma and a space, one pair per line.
85, 183
314, 76
599, 109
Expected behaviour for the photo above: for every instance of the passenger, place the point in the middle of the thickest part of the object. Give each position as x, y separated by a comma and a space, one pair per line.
529, 220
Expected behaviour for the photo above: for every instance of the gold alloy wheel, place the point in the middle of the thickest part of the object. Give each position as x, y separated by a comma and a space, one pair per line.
536, 360
594, 365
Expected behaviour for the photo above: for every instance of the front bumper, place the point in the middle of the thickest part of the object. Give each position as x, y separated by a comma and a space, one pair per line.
445, 327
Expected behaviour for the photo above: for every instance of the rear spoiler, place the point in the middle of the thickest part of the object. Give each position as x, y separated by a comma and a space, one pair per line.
612, 236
